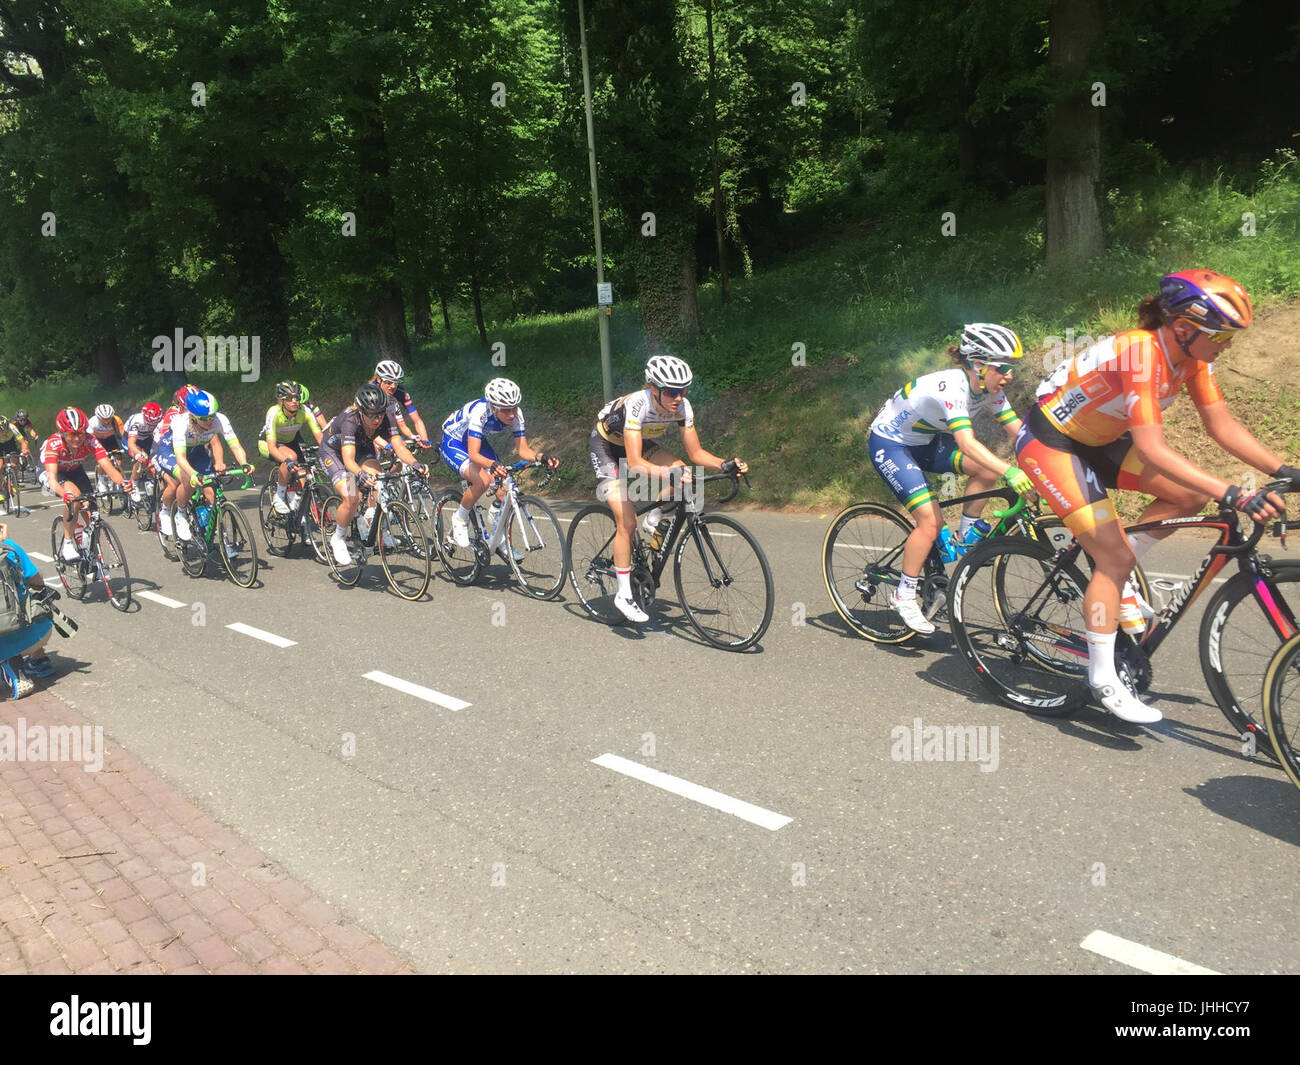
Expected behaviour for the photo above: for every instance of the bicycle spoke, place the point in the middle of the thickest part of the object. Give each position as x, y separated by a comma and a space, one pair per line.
724, 583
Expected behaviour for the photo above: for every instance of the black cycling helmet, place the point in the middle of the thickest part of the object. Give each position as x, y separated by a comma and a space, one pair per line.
371, 399
288, 390
21, 416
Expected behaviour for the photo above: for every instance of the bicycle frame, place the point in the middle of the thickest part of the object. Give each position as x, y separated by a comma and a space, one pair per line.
656, 559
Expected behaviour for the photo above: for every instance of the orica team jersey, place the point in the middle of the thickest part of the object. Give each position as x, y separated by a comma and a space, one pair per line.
101, 427
637, 411
182, 433
476, 418
286, 427
55, 450
936, 403
1119, 382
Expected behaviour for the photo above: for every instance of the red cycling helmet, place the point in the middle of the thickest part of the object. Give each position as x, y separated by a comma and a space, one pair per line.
182, 392
71, 420
152, 413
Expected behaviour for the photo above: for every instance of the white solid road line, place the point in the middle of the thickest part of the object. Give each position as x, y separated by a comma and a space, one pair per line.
707, 796
154, 597
1140, 957
450, 702
39, 557
260, 634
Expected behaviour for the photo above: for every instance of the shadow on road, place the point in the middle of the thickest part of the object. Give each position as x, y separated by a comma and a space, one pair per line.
1268, 805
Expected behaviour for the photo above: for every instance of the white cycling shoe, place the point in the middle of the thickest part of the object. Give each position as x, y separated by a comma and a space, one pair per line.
69, 551
340, 548
183, 528
279, 504
460, 530
910, 611
630, 610
1126, 706
165, 522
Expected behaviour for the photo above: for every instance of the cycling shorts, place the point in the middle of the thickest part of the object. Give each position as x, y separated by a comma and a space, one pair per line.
1073, 477
78, 477
199, 458
455, 455
294, 445
904, 466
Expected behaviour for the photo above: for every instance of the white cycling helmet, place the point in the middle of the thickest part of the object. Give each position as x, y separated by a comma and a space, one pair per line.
989, 343
501, 392
389, 370
104, 411
667, 371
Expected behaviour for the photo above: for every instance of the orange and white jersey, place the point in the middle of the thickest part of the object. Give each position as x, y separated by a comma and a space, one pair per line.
1119, 382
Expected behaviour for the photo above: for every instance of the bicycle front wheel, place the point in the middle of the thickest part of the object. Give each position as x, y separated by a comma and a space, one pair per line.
862, 563
404, 551
345, 573
724, 582
535, 532
590, 551
110, 564
234, 540
1281, 709
1238, 637
1018, 622
70, 573
275, 527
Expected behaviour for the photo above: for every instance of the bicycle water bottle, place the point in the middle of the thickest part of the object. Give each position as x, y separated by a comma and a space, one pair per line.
363, 526
657, 537
975, 534
949, 549
204, 512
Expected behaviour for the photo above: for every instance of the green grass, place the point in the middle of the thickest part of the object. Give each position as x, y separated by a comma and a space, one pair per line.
872, 306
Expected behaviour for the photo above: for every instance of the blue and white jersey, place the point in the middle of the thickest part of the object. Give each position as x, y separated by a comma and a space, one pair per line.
476, 419
181, 434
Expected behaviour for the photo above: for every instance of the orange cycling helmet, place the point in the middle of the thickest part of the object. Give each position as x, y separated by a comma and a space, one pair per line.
1215, 303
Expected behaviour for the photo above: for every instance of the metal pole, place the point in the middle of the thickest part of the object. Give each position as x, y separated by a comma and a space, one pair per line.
602, 313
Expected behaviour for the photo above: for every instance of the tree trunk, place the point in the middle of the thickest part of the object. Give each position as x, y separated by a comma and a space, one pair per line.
713, 130
665, 281
476, 292
446, 315
390, 322
1074, 232
423, 315
108, 362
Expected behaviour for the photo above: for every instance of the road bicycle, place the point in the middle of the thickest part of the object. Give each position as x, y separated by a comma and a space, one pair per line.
306, 519
27, 469
100, 558
144, 508
1282, 706
1017, 619
393, 532
723, 581
219, 528
413, 490
104, 483
526, 534
11, 485
862, 560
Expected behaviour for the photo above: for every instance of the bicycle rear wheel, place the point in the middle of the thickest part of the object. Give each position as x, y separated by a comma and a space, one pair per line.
13, 491
111, 567
317, 526
404, 550
1281, 709
1017, 620
724, 582
590, 550
234, 542
74, 580
193, 551
862, 563
425, 508
462, 564
535, 532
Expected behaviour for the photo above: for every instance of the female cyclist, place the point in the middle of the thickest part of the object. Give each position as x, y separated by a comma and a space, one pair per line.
1097, 426
926, 427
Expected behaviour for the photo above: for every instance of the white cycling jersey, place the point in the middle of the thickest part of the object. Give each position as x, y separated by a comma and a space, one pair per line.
936, 403
637, 411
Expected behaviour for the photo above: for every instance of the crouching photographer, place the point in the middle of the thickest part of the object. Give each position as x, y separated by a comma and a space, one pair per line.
28, 616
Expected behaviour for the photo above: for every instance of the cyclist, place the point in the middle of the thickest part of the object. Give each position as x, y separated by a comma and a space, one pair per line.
1097, 425
388, 376
626, 437
466, 453
184, 454
62, 455
24, 424
311, 407
347, 453
926, 426
12, 444
282, 440
139, 430
107, 428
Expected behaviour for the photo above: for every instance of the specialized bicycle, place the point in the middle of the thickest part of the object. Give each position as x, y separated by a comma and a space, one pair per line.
391, 530
1017, 619
723, 581
219, 528
306, 520
100, 558
862, 560
526, 535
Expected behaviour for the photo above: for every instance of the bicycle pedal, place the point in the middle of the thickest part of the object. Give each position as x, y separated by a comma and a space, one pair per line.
940, 601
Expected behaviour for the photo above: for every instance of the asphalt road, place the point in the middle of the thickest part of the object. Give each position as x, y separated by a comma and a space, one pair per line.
487, 839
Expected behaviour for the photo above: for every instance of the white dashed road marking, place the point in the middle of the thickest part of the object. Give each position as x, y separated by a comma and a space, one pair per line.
1140, 957
707, 796
154, 597
39, 557
260, 634
450, 702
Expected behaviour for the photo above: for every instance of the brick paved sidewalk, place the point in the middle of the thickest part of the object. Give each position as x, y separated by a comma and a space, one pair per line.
65, 906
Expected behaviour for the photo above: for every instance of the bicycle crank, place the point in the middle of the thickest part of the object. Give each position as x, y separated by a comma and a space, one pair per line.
643, 588
1132, 664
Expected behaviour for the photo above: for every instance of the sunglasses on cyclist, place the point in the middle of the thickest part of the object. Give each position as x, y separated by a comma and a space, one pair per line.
1216, 337
673, 392
506, 410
